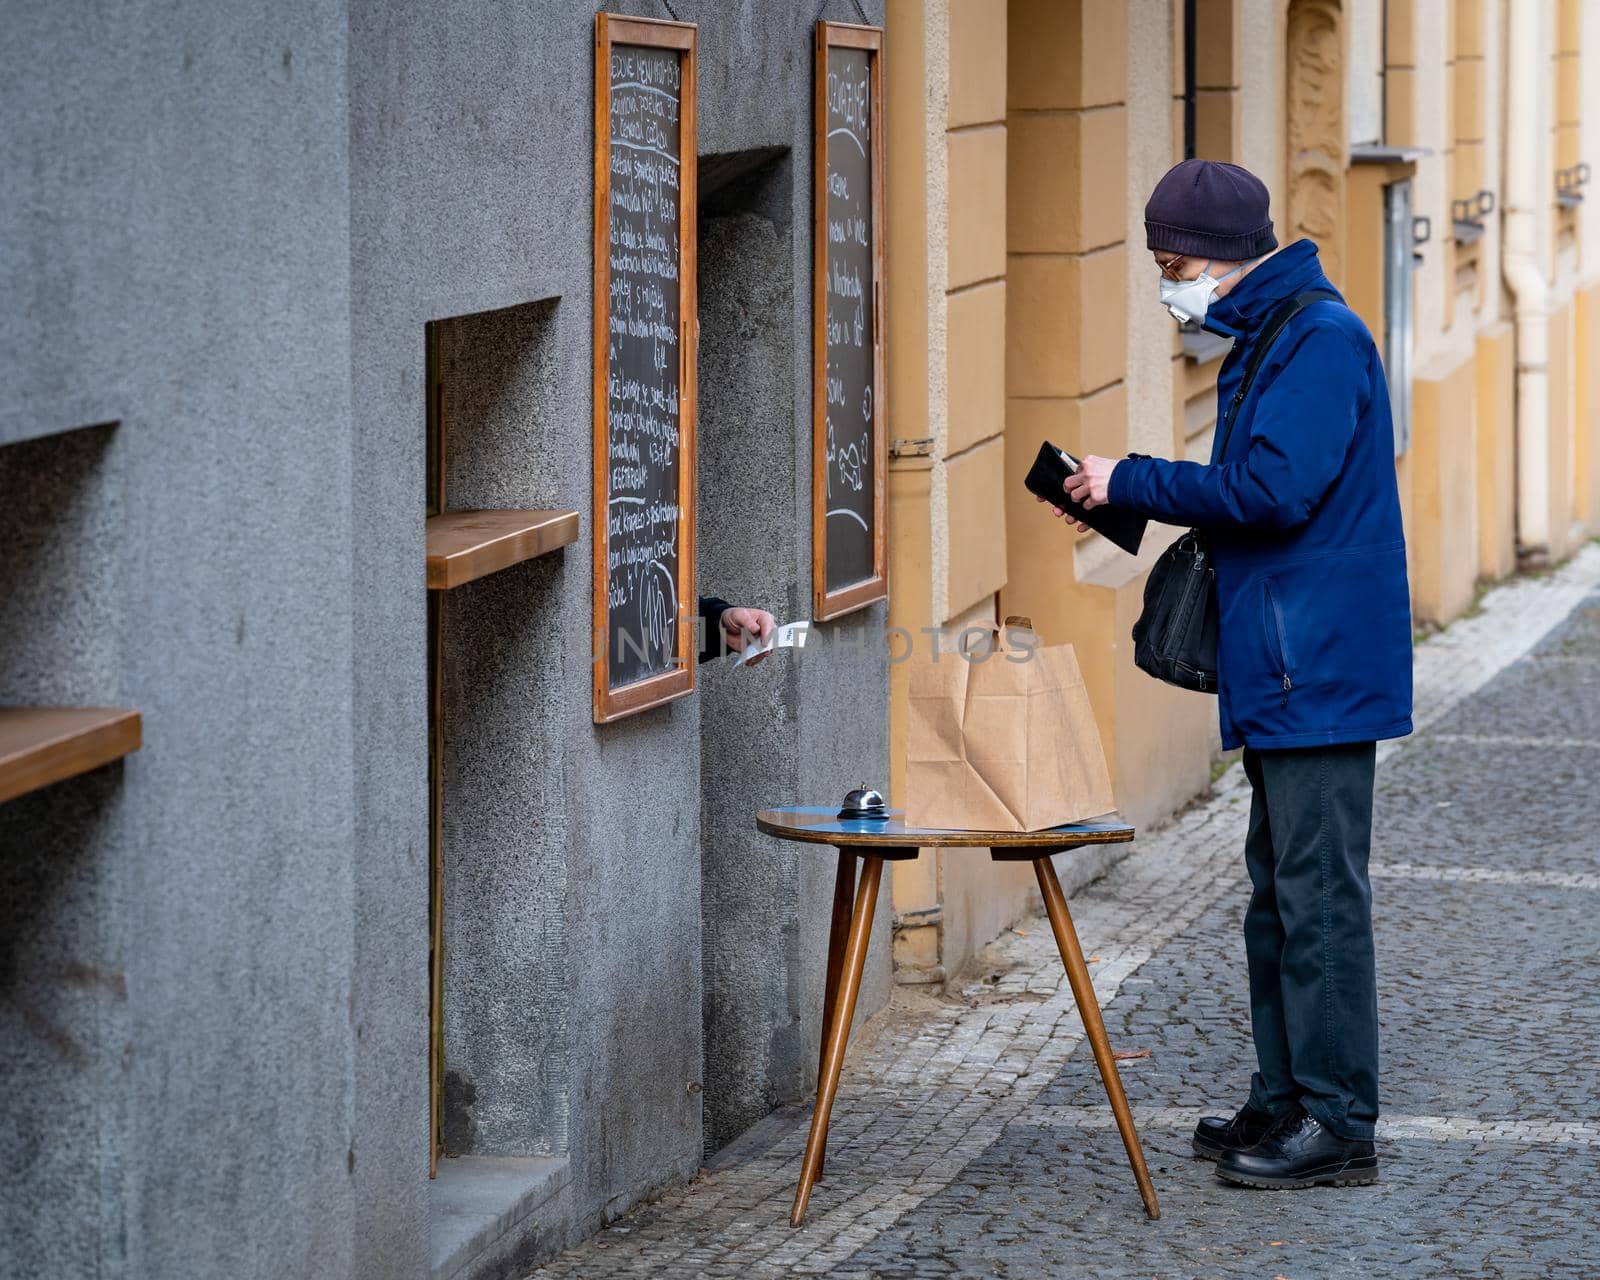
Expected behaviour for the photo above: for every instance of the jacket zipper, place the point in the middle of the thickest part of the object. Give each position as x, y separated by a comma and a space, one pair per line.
1283, 638
1225, 426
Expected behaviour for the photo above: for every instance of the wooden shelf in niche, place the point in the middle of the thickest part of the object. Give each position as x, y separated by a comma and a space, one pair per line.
41, 745
463, 545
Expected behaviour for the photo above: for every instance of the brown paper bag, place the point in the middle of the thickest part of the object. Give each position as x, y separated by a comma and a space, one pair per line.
1003, 739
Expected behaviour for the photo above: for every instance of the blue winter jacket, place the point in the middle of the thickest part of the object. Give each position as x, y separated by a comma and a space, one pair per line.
1302, 516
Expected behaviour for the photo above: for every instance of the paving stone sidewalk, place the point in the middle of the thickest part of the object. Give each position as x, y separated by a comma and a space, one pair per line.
972, 1137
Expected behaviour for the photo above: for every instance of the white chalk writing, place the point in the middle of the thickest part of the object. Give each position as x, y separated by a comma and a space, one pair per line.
848, 326
643, 363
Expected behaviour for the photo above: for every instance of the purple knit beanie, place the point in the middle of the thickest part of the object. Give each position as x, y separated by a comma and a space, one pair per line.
1208, 209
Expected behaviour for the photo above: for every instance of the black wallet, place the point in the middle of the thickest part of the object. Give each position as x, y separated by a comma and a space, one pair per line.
1044, 480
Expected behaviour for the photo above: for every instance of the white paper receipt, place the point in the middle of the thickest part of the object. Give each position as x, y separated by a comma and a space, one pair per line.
791, 635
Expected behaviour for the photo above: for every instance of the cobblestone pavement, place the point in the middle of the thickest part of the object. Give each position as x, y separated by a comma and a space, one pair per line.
972, 1137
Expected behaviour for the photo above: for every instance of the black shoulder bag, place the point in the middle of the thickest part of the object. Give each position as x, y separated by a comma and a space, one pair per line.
1175, 638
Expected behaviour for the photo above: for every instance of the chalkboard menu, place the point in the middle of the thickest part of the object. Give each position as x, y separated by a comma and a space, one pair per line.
849, 557
644, 362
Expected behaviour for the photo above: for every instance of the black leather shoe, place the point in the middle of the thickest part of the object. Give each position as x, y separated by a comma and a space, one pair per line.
1298, 1152
1214, 1134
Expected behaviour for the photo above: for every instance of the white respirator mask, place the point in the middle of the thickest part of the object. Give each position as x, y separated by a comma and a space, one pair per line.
1188, 300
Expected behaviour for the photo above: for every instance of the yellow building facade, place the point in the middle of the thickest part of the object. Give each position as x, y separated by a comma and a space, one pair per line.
1023, 140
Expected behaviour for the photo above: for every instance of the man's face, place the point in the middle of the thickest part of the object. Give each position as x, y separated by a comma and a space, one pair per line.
1177, 266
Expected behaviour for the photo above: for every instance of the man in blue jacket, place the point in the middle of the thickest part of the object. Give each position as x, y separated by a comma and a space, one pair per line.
1302, 518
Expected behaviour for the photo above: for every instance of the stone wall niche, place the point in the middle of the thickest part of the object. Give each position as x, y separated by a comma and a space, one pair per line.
504, 811
748, 529
65, 1037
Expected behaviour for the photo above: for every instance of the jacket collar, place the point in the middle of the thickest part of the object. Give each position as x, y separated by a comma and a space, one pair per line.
1290, 271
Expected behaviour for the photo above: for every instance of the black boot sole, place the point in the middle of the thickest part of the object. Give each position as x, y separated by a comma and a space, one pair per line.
1350, 1173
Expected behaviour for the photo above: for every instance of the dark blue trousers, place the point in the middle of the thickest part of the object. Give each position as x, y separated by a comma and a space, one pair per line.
1308, 935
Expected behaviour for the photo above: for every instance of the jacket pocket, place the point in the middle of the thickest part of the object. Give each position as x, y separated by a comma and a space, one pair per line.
1278, 632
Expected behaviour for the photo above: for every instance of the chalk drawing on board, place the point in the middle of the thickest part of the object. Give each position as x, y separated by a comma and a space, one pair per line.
849, 552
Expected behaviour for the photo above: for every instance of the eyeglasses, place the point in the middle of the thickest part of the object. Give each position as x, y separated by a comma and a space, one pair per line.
1169, 267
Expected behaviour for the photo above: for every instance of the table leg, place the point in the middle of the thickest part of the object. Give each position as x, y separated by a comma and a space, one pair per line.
1055, 905
844, 888
855, 959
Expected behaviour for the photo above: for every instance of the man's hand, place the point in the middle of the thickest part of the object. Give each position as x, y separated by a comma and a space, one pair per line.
1088, 484
741, 626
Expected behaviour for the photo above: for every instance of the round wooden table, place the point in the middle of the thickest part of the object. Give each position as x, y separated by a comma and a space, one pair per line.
876, 841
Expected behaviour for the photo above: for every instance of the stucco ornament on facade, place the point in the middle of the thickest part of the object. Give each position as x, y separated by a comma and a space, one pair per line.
1317, 148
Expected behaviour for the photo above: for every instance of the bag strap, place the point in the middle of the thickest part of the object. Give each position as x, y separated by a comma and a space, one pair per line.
1285, 312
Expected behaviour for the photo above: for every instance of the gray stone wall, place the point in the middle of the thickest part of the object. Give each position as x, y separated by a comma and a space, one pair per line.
174, 248
229, 232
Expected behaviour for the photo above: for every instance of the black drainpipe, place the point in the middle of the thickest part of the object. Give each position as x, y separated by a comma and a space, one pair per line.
1188, 78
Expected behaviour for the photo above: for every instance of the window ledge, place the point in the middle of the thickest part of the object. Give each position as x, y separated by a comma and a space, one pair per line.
464, 545
1099, 563
1202, 347
479, 1202
42, 745
1378, 153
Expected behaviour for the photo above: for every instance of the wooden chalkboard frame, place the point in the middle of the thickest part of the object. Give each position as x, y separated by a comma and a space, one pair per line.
857, 595
615, 703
